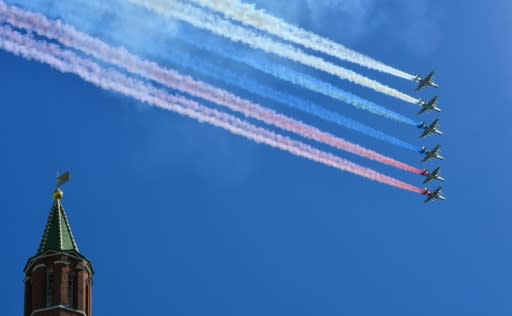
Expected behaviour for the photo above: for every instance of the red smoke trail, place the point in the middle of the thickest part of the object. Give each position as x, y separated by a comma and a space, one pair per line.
108, 79
68, 36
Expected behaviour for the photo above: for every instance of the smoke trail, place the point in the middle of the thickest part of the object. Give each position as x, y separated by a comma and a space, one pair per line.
67, 61
259, 19
253, 60
212, 23
68, 36
243, 82
288, 74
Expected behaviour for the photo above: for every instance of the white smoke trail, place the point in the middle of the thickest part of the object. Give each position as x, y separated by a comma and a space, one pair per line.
261, 20
67, 61
212, 23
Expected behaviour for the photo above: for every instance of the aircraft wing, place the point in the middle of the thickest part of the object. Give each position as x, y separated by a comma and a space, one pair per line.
420, 86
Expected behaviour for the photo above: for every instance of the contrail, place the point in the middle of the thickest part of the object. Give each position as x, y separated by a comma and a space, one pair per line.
252, 86
68, 36
297, 78
66, 61
262, 64
212, 23
259, 19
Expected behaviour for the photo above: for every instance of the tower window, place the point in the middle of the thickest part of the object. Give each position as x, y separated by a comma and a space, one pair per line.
28, 297
87, 300
71, 287
49, 288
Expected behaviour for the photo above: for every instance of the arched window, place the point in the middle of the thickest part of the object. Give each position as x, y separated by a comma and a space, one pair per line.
49, 287
71, 288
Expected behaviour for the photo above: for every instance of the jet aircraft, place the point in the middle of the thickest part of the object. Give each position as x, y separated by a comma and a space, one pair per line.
431, 129
428, 81
431, 154
431, 176
427, 106
436, 195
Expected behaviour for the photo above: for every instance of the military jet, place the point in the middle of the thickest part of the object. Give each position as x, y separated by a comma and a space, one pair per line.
436, 195
428, 81
431, 176
431, 129
427, 106
431, 154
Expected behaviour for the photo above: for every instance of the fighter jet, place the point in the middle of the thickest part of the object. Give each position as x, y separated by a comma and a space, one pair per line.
428, 81
427, 106
431, 129
431, 154
436, 195
431, 176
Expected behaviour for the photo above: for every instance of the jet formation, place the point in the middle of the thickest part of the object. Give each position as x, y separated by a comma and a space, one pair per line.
428, 130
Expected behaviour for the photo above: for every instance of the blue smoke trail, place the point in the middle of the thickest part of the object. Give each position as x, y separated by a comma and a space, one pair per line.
288, 74
241, 81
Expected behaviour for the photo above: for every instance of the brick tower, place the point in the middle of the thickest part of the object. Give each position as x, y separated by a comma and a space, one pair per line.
58, 278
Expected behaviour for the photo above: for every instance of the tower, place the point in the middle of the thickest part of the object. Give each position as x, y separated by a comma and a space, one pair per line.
58, 278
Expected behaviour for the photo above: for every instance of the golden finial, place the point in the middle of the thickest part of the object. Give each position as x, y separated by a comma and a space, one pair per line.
57, 194
63, 178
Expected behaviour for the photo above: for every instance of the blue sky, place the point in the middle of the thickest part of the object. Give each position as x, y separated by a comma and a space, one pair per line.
181, 218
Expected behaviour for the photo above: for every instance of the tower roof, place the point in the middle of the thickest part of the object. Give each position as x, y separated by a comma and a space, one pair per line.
58, 238
57, 234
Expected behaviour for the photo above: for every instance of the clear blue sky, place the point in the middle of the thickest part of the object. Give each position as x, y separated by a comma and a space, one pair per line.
181, 218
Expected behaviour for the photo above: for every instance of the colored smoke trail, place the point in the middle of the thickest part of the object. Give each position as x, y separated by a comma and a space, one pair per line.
259, 19
250, 85
297, 78
253, 60
68, 36
210, 22
68, 62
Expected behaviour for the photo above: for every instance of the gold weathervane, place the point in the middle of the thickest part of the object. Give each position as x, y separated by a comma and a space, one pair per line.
61, 179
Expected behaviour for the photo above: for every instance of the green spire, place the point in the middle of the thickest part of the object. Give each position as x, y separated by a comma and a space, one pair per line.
57, 237
57, 234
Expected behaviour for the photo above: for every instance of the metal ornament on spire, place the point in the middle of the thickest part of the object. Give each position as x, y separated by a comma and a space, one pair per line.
63, 178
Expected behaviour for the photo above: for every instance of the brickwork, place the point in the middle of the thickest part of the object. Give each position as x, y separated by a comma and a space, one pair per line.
37, 287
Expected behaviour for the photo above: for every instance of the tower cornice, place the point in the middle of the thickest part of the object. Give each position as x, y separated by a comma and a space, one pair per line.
57, 307
50, 253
